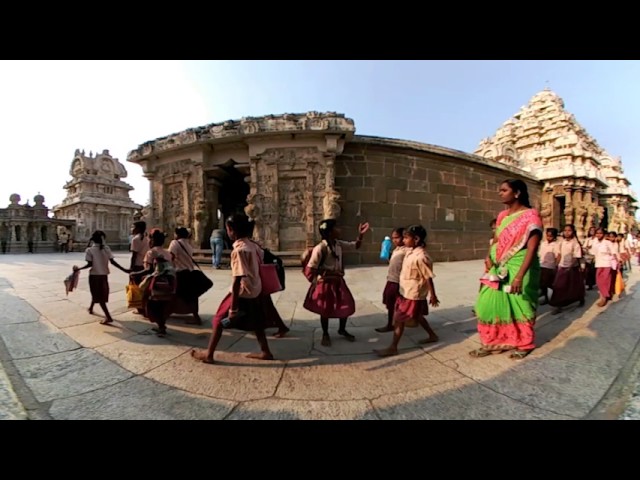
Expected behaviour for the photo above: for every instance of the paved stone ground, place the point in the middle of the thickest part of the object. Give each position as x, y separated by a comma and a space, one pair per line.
64, 365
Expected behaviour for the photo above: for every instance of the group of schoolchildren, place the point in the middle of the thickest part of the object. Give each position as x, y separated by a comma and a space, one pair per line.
408, 292
567, 265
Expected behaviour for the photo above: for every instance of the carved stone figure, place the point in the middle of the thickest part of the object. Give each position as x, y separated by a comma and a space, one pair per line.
580, 218
545, 210
330, 205
199, 224
254, 211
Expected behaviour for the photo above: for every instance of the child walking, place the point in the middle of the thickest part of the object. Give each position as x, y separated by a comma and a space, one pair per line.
548, 254
243, 307
416, 284
328, 295
392, 287
98, 256
568, 286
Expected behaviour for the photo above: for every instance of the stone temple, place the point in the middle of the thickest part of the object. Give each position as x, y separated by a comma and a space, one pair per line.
581, 183
98, 199
289, 171
28, 228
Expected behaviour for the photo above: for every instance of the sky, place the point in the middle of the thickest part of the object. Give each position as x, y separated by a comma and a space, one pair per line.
48, 109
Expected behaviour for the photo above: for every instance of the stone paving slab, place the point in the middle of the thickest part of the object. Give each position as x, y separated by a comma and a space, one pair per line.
66, 374
142, 353
282, 409
566, 388
234, 378
461, 399
35, 339
139, 399
15, 310
10, 406
358, 377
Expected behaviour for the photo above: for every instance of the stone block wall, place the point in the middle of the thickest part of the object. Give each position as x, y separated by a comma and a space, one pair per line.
390, 186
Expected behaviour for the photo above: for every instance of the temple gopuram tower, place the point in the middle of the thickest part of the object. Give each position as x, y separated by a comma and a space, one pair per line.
583, 185
98, 199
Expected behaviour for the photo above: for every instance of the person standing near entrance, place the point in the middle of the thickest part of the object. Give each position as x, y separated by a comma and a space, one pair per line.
139, 246
217, 245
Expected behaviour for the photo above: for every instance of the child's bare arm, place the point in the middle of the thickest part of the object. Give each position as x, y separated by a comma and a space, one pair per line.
433, 298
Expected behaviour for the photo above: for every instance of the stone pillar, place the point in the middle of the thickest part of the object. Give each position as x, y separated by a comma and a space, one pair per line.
310, 201
580, 214
186, 203
150, 176
568, 206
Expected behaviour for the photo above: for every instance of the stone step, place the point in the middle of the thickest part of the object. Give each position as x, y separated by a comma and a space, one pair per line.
203, 256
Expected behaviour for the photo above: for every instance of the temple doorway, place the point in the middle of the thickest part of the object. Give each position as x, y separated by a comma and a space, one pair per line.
226, 193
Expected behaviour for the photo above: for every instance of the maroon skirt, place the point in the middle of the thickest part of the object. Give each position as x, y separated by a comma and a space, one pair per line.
330, 298
390, 295
253, 313
547, 277
271, 315
410, 311
568, 287
99, 288
604, 279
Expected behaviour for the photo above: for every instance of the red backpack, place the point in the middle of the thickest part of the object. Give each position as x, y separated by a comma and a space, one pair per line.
304, 261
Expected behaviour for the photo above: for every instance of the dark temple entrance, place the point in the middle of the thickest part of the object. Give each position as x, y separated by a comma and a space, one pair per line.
226, 193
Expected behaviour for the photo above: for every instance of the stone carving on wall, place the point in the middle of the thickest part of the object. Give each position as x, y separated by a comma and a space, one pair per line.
580, 218
292, 208
173, 206
257, 211
592, 211
545, 211
310, 121
331, 207
200, 221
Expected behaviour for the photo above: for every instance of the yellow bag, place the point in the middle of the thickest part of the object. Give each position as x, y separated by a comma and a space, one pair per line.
619, 283
134, 296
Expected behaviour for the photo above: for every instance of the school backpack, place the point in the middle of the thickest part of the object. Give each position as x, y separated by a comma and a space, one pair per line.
270, 258
163, 282
162, 288
304, 260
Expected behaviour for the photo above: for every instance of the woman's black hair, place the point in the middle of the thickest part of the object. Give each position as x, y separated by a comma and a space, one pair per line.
326, 227
157, 238
182, 232
493, 223
140, 226
239, 223
418, 231
518, 186
399, 230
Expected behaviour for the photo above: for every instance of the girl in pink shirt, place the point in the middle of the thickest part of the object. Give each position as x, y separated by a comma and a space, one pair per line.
568, 286
328, 295
392, 287
99, 256
416, 284
604, 258
548, 254
243, 307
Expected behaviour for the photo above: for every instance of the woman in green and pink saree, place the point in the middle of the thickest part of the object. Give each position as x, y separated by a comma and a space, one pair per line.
508, 299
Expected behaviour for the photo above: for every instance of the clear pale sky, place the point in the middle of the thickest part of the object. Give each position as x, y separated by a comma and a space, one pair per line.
50, 108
